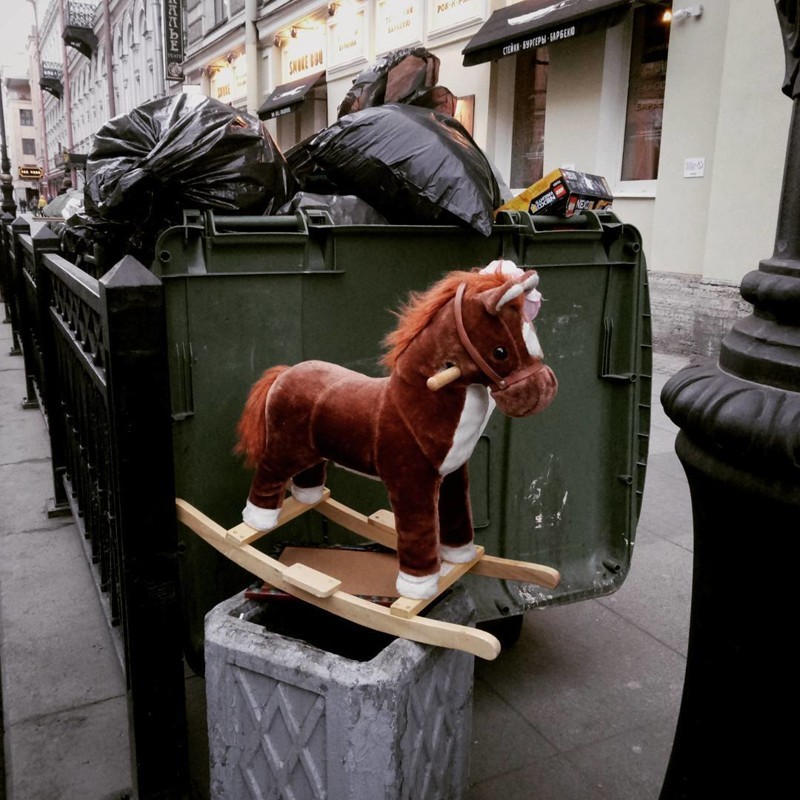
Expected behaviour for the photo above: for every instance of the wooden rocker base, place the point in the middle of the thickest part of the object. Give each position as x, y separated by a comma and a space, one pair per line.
315, 587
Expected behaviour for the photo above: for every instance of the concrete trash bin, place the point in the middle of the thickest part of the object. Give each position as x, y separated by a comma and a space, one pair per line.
335, 711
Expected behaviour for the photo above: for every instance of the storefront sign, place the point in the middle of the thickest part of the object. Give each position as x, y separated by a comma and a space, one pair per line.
347, 35
529, 24
539, 40
30, 173
230, 81
303, 53
173, 39
445, 15
398, 23
288, 96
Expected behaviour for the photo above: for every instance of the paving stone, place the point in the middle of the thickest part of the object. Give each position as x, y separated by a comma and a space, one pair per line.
80, 754
580, 674
57, 650
502, 741
657, 594
554, 778
666, 506
22, 440
630, 766
26, 492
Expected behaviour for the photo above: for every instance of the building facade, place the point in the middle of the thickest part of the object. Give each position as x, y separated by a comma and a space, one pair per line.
683, 115
89, 62
21, 140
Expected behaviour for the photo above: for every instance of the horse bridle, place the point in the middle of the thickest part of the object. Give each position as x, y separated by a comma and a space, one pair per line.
497, 380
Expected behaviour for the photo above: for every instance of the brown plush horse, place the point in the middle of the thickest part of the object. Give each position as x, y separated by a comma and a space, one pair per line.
415, 434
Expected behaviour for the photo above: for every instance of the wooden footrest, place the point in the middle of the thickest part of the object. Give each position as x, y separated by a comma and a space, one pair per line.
450, 573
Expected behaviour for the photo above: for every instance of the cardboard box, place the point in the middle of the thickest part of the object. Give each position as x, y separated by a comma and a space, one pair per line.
562, 193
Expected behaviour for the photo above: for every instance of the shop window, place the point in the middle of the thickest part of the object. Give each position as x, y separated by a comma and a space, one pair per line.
645, 104
527, 138
308, 118
29, 147
26, 117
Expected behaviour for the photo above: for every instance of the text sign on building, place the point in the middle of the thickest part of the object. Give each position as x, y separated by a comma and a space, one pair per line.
445, 15
230, 82
398, 23
30, 173
173, 39
303, 53
347, 35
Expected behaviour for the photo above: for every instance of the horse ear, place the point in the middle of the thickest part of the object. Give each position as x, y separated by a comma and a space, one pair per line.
530, 280
495, 299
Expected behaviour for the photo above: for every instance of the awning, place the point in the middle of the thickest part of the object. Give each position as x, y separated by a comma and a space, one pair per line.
535, 23
288, 95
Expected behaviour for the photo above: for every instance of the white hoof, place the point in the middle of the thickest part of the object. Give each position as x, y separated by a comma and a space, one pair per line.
308, 497
417, 587
458, 555
262, 519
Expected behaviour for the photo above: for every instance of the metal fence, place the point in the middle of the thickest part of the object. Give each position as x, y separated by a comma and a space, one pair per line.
5, 283
95, 362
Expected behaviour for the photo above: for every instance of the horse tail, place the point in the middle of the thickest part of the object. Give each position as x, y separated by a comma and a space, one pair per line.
252, 426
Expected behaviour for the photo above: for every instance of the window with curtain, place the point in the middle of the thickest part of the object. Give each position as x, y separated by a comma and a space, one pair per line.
527, 138
645, 105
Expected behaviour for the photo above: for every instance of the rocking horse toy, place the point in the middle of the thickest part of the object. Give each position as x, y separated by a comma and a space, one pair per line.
463, 347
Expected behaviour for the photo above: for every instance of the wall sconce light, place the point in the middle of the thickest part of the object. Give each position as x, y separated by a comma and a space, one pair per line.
685, 13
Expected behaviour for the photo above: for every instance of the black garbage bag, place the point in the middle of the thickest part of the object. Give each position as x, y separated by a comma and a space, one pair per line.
73, 234
178, 152
439, 98
411, 164
393, 78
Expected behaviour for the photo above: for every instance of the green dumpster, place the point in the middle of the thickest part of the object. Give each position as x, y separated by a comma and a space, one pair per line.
562, 488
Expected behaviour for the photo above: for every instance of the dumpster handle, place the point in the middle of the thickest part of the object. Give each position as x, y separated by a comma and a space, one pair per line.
289, 223
583, 222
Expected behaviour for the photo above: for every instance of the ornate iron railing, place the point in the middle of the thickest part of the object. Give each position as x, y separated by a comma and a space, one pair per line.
52, 70
81, 15
50, 78
95, 359
79, 28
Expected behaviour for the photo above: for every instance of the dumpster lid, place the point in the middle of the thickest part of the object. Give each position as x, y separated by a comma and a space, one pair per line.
285, 97
534, 23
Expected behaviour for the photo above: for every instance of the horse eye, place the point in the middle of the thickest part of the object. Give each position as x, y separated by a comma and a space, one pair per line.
500, 353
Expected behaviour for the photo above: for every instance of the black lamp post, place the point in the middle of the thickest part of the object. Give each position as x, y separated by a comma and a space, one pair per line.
740, 446
8, 206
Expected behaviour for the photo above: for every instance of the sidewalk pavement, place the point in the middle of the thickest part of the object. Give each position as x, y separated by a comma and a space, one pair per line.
63, 689
582, 707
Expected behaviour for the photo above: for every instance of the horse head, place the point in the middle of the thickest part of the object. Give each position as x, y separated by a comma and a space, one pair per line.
497, 335
477, 328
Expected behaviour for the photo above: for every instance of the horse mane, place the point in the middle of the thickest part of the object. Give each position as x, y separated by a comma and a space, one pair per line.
416, 314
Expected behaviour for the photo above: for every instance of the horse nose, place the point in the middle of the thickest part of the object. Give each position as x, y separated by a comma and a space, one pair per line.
529, 396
